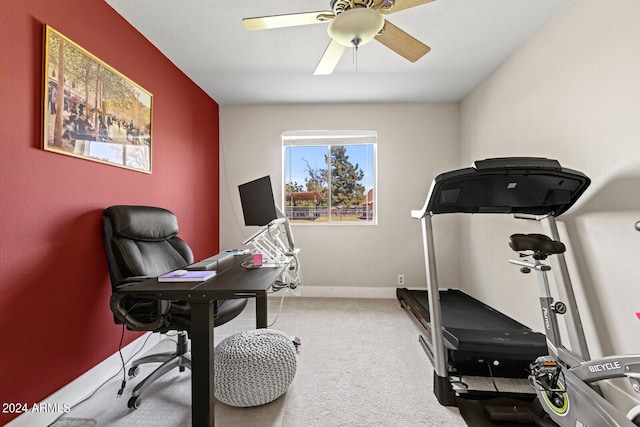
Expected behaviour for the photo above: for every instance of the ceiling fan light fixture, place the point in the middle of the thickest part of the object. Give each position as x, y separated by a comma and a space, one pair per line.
355, 27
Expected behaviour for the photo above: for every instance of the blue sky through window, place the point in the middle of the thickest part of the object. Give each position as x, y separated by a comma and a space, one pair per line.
296, 167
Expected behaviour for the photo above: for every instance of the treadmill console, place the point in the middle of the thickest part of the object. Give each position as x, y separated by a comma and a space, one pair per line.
511, 185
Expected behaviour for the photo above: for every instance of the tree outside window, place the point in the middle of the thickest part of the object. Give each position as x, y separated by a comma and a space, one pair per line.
330, 177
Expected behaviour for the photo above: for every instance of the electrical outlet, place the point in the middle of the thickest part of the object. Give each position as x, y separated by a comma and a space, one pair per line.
400, 279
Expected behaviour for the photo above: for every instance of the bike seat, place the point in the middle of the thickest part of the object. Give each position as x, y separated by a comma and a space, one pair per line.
541, 245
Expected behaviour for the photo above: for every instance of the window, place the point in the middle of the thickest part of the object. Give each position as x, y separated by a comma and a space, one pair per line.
330, 176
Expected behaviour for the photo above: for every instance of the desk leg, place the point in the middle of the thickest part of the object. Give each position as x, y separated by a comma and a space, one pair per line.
261, 311
202, 379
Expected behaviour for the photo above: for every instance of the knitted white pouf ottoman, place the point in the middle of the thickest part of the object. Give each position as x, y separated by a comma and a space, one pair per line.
254, 367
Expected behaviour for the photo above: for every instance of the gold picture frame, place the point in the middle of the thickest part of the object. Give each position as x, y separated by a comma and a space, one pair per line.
99, 114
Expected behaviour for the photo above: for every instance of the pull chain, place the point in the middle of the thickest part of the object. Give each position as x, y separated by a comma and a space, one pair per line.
355, 57
356, 43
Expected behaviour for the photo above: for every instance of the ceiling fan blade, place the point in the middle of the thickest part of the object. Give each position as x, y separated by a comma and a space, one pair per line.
390, 6
402, 43
330, 58
288, 20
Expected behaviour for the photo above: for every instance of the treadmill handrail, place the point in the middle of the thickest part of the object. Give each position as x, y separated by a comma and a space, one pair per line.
421, 213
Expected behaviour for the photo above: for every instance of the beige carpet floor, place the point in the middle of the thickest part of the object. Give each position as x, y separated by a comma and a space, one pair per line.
360, 364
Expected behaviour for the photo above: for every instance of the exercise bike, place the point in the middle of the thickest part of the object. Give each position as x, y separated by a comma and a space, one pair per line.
565, 384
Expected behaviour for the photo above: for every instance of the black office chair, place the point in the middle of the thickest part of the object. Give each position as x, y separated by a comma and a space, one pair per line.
142, 242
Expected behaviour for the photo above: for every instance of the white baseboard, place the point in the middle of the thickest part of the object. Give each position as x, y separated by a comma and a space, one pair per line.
46, 412
344, 292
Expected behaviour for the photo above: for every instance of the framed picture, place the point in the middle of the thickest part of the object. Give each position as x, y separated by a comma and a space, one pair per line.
92, 111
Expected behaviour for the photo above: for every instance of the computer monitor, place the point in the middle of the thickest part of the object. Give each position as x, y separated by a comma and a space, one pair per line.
258, 206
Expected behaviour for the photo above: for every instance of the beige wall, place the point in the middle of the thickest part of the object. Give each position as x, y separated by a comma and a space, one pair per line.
571, 93
415, 142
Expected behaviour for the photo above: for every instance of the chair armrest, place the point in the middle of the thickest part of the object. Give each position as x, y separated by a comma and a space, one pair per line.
131, 280
123, 315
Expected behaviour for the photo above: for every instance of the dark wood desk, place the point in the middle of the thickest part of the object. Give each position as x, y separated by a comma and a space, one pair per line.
234, 281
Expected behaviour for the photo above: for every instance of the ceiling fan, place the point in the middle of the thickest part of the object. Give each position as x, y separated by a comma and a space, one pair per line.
352, 23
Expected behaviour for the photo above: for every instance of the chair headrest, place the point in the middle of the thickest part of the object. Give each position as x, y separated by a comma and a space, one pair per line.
142, 222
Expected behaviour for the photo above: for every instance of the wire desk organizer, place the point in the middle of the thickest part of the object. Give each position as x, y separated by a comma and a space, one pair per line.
275, 242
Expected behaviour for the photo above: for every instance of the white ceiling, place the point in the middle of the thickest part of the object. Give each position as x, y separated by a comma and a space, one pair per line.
208, 42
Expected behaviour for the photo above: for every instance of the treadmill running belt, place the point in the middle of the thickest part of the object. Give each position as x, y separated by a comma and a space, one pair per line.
461, 311
479, 339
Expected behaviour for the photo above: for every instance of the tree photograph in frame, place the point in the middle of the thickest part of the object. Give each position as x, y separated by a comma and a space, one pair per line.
92, 111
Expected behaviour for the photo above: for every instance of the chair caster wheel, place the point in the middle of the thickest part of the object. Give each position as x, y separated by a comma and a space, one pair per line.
134, 370
181, 368
134, 402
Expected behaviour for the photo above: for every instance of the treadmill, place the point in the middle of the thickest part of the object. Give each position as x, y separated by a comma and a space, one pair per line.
464, 335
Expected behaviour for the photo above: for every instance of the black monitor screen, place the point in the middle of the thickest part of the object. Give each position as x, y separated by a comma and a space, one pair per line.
258, 206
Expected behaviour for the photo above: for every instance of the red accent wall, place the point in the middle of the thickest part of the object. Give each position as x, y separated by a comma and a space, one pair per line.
55, 322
